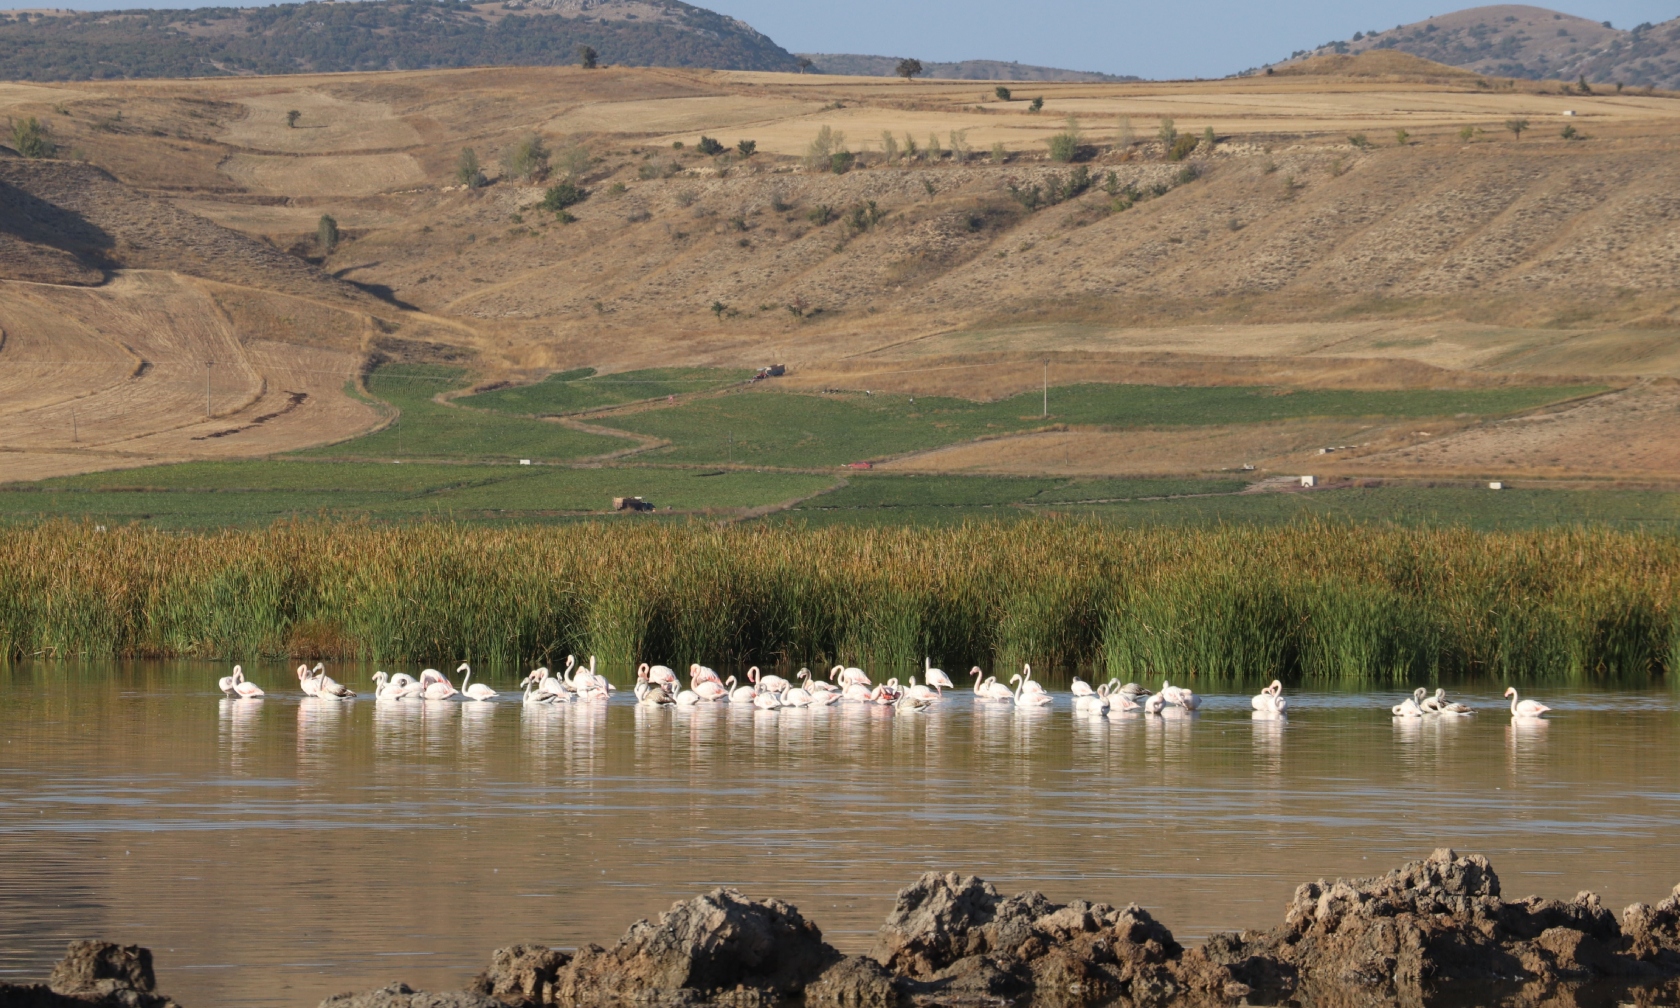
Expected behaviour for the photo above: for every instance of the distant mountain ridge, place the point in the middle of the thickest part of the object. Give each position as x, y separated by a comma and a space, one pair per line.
375, 35
1515, 40
856, 65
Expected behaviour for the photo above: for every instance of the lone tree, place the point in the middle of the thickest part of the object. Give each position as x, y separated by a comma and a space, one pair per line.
527, 159
588, 57
32, 139
710, 146
467, 170
1036, 105
804, 64
908, 68
1516, 126
326, 234
746, 148
292, 117
1001, 92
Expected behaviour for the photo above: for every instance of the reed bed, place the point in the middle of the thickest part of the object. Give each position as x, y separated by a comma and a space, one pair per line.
1310, 603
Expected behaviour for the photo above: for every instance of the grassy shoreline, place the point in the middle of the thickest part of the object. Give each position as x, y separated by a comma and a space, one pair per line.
1309, 602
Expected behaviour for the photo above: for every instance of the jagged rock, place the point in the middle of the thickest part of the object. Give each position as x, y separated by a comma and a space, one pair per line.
953, 938
721, 946
521, 975
97, 973
401, 995
1431, 922
1653, 933
853, 982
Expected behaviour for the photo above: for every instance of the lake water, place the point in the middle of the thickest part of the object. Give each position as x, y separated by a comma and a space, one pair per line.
278, 851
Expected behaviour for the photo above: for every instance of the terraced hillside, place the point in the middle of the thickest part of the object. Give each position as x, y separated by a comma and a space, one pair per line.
1379, 228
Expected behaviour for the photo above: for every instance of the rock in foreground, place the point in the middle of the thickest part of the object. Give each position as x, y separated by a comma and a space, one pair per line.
97, 973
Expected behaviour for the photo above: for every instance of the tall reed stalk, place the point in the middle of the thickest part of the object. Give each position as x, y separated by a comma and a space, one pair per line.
1307, 603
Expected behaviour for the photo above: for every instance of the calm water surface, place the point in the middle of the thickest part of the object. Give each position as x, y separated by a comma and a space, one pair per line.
274, 852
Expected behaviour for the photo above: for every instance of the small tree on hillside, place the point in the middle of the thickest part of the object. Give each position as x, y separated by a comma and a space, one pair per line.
1467, 133
326, 234
1036, 105
746, 148
908, 68
1167, 134
1209, 138
1516, 126
1001, 92
709, 146
467, 170
292, 117
588, 58
527, 159
1064, 146
889, 146
32, 139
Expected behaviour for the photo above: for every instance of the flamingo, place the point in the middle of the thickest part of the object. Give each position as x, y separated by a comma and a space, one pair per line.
773, 683
651, 695
661, 675
698, 673
534, 691
1262, 701
1092, 703
434, 685
245, 690
823, 697
225, 684
1130, 690
567, 674
923, 692
1444, 707
1155, 704
766, 700
549, 685
849, 675
384, 689
1425, 703
857, 693
1025, 697
1188, 700
310, 685
936, 677
817, 686
1119, 706
888, 692
1082, 688
991, 689
740, 694
687, 698
794, 696
477, 691
326, 687
1280, 705
910, 704
711, 691
1407, 708
1524, 708
1169, 691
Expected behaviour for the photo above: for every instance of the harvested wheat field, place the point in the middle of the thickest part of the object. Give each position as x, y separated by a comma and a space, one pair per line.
1355, 223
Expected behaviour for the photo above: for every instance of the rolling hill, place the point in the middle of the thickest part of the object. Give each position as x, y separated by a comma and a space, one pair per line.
1515, 40
854, 65
375, 35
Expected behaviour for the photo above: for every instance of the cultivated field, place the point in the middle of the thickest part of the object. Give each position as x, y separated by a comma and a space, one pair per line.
1309, 248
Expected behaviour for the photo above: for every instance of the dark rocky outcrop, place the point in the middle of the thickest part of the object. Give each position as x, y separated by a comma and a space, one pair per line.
853, 982
1443, 921
952, 938
97, 973
720, 945
522, 975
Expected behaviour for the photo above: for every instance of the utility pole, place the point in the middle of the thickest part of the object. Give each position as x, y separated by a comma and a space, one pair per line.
207, 366
1046, 388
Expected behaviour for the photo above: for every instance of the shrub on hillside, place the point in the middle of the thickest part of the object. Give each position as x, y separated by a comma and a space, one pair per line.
33, 139
527, 159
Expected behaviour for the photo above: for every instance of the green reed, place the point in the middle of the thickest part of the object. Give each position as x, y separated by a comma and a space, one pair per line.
1317, 603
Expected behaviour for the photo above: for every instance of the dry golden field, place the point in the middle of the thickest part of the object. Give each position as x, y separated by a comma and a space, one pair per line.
1293, 256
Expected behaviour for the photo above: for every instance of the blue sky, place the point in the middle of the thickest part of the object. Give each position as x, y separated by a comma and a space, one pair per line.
1188, 38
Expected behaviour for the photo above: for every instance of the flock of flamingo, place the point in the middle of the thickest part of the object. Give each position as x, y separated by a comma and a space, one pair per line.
659, 686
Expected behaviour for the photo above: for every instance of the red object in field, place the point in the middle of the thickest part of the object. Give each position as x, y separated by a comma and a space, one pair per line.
859, 465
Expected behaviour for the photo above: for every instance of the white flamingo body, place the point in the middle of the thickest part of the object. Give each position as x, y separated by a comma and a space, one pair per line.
1524, 708
920, 692
766, 700
477, 691
434, 686
1025, 697
1119, 706
225, 684
1092, 703
244, 690
687, 698
1444, 707
1407, 708
1082, 688
711, 691
936, 677
1155, 704
857, 693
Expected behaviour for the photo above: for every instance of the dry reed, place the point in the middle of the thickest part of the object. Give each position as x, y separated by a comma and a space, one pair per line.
1312, 602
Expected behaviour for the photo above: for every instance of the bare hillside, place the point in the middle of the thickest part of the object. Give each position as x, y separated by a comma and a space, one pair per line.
1516, 40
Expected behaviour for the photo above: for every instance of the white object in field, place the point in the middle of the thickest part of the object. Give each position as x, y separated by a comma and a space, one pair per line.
1496, 485
1308, 481
1568, 112
524, 461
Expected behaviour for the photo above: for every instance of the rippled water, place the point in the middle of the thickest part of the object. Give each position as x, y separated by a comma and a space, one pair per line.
274, 852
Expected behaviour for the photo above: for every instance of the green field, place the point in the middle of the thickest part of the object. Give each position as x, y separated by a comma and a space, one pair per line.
427, 429
579, 390
210, 494
764, 427
899, 500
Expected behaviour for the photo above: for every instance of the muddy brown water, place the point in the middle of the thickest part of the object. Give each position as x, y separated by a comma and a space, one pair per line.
274, 852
